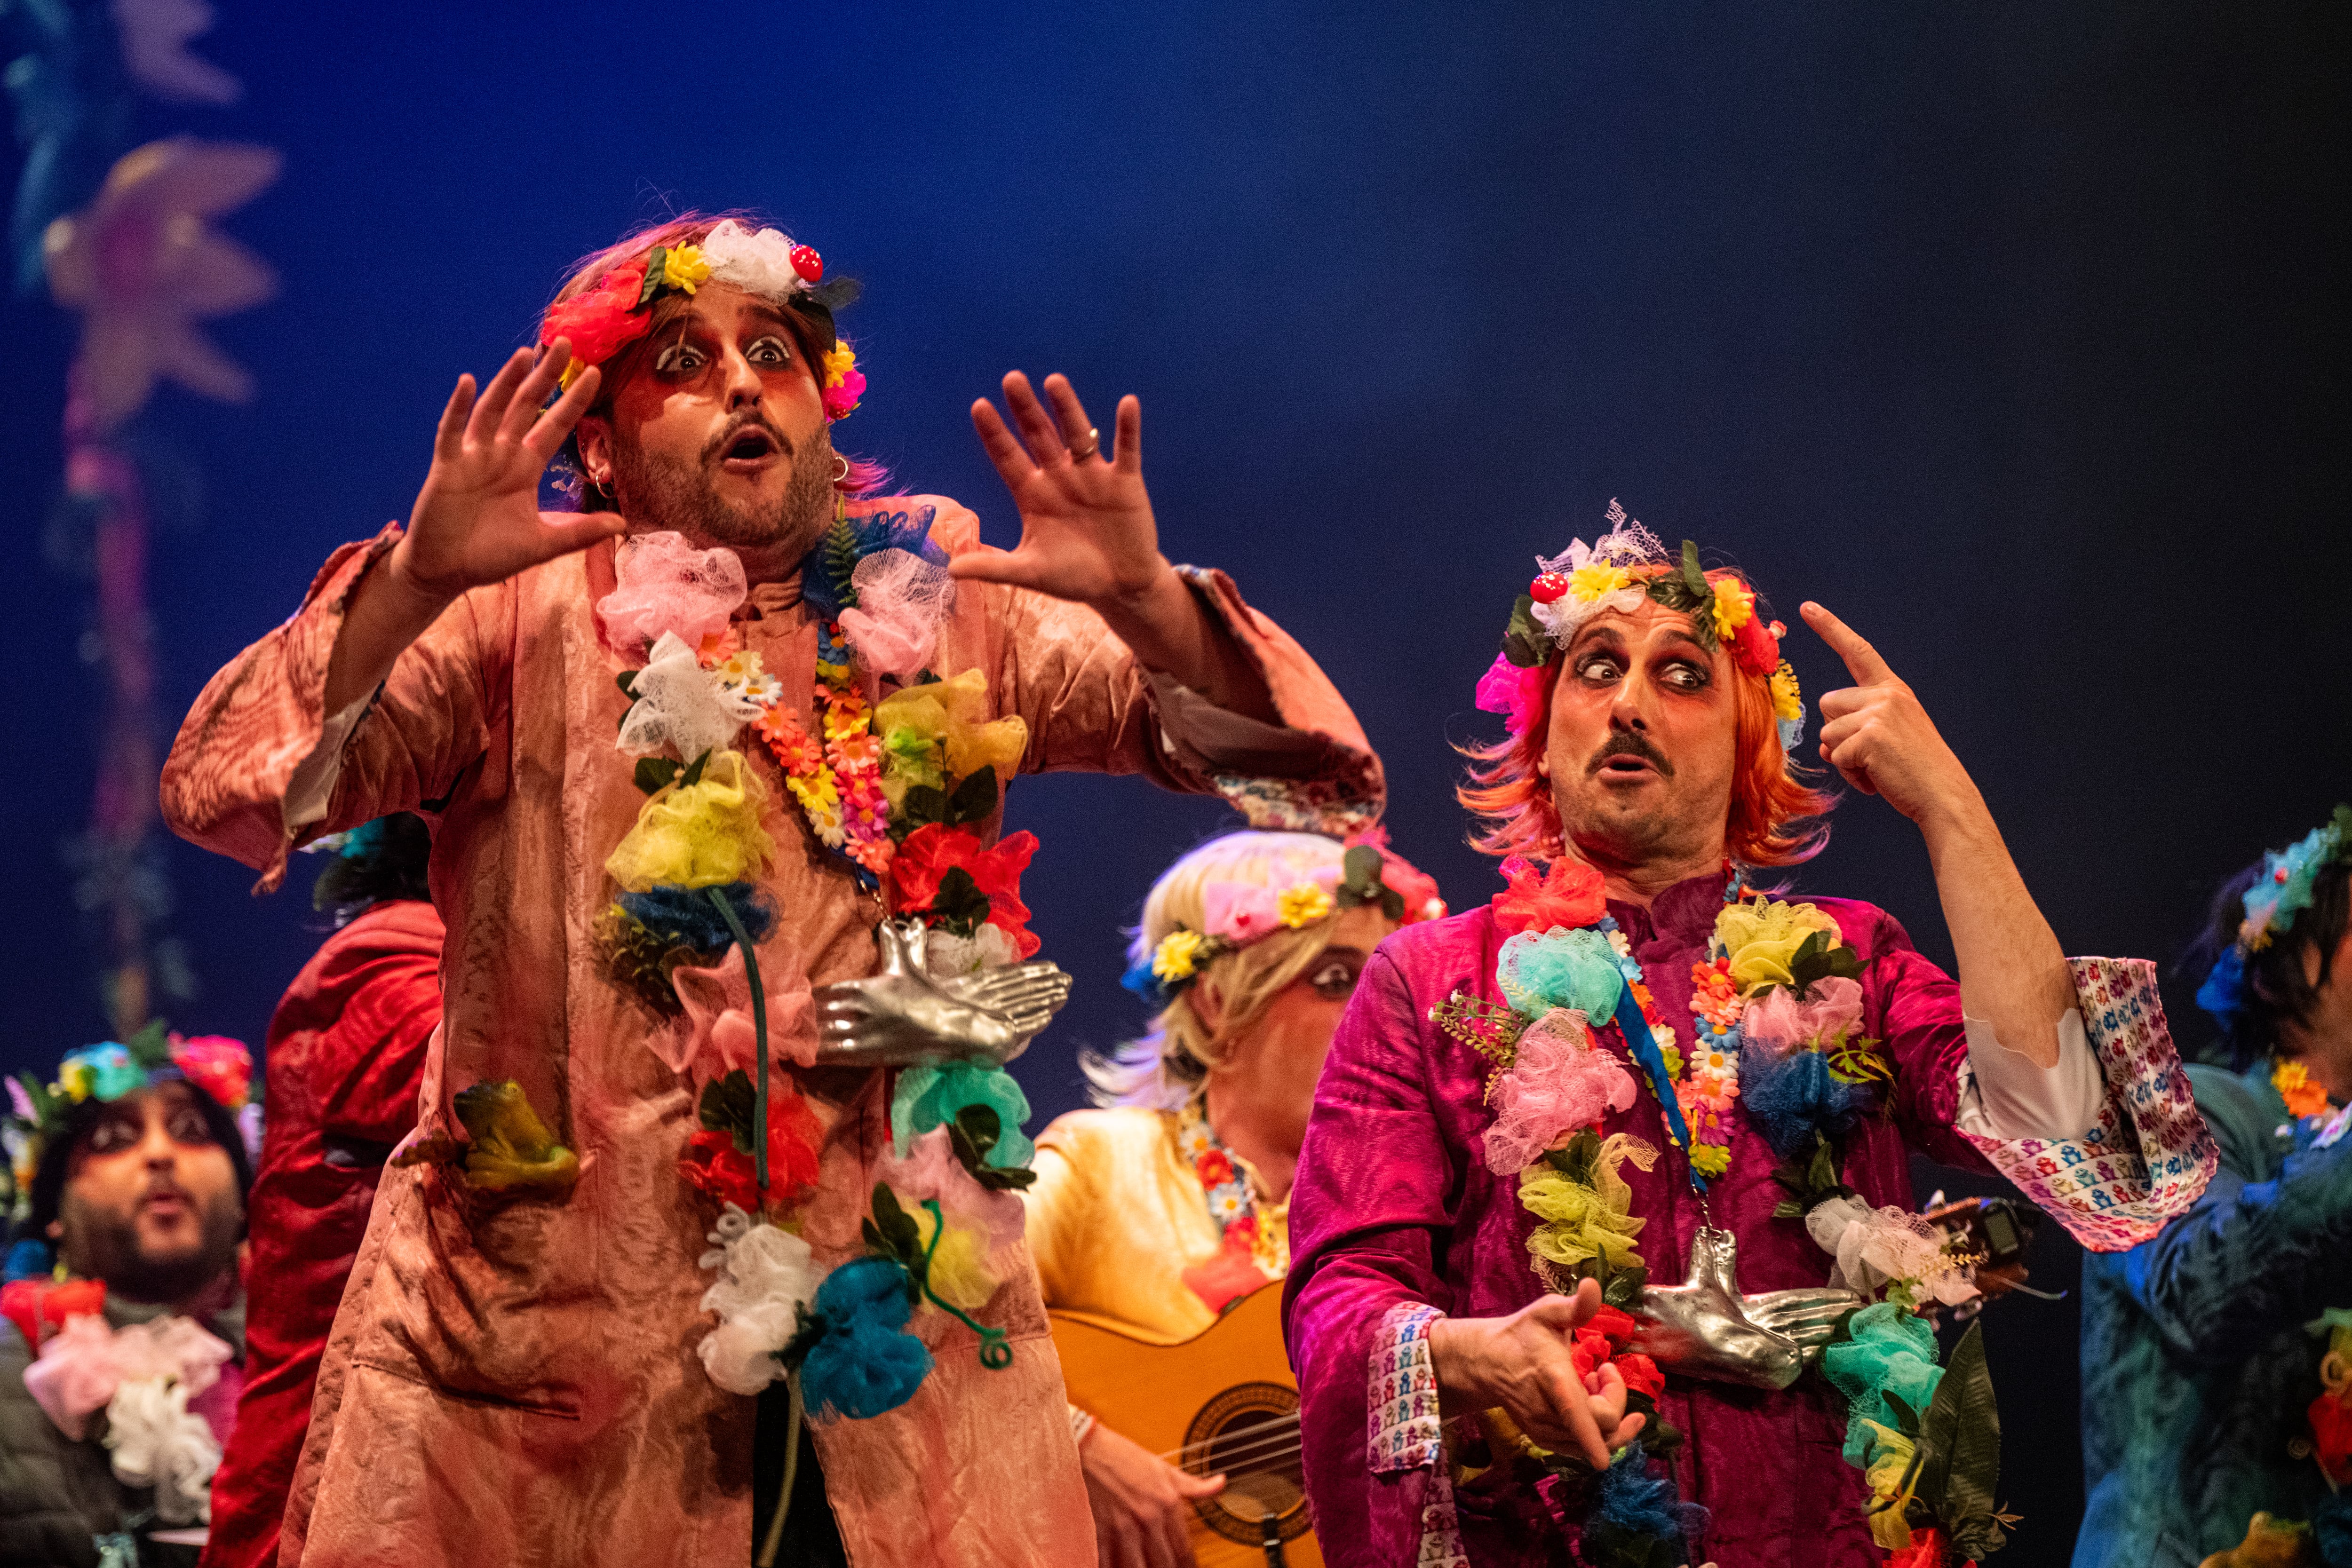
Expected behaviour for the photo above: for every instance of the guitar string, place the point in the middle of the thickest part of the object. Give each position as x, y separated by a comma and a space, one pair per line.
1271, 1450
1276, 1456
1283, 1434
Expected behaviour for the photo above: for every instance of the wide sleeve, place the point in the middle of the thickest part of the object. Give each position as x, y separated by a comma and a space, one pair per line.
1374, 1201
1914, 1009
367, 1064
1090, 707
1057, 1204
2249, 1258
261, 719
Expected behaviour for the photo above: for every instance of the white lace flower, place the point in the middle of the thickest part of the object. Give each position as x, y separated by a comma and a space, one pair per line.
681, 706
158, 1443
758, 263
766, 1273
947, 955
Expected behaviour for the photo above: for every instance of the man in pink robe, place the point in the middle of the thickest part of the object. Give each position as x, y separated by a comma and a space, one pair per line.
1644, 761
513, 1378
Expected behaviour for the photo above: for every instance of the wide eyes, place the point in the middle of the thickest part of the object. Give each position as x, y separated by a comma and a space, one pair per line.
681, 358
1334, 980
1681, 674
186, 1126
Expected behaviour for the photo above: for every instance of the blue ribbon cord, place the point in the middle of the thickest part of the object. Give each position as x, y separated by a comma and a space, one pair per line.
1653, 1063
759, 1035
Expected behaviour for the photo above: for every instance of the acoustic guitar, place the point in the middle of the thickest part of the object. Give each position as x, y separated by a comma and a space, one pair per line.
1220, 1403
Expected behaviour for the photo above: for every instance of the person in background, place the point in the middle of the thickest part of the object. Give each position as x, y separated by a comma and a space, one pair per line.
2217, 1358
344, 1056
122, 1322
1172, 1201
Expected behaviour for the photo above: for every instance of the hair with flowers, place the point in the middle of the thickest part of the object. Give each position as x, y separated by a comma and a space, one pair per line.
1251, 911
2265, 921
613, 301
1774, 812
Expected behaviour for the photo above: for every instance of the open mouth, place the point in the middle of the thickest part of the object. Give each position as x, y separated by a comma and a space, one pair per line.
166, 1204
1626, 766
748, 450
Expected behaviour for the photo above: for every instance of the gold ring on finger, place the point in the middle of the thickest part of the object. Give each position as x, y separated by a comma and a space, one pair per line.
1081, 451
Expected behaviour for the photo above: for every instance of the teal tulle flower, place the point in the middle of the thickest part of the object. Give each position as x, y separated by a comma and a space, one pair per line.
1560, 968
862, 1364
1890, 1352
100, 1072
929, 1095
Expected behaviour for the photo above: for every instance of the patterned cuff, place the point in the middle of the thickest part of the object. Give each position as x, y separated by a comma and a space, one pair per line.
1406, 1433
2151, 1156
1082, 1425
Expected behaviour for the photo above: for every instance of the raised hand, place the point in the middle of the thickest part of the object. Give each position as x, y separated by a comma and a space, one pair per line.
1877, 736
1086, 529
477, 519
902, 1015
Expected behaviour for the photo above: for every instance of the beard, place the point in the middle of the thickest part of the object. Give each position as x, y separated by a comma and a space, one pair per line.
104, 1244
662, 492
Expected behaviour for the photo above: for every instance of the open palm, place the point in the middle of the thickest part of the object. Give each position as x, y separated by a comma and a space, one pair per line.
477, 519
1086, 529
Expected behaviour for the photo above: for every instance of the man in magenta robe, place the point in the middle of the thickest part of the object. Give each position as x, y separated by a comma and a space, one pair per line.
1649, 764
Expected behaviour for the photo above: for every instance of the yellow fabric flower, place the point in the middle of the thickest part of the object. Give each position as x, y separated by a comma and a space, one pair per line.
683, 267
74, 1081
1788, 701
1596, 581
1710, 1160
1304, 904
700, 835
1581, 1223
1734, 607
960, 1273
1889, 1459
1177, 956
1762, 938
957, 714
839, 361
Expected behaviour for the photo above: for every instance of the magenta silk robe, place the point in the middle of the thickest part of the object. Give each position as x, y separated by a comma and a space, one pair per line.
513, 1380
1394, 1204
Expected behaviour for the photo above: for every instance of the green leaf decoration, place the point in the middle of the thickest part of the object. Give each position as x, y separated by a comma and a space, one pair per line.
922, 805
1525, 643
960, 908
1962, 1427
890, 1231
1817, 959
974, 799
654, 773
1906, 1420
651, 289
693, 775
151, 1046
1694, 575
45, 1104
729, 1105
972, 1135
1361, 883
1622, 1288
1578, 1158
841, 561
1810, 1180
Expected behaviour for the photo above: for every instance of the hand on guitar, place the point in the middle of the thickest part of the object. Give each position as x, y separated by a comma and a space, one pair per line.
1522, 1363
1140, 1502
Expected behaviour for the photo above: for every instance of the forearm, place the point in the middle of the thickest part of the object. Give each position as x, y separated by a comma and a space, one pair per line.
1167, 630
2012, 972
386, 613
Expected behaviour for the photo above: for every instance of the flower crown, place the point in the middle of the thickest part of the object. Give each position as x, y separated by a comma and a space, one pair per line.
1626, 566
1236, 914
106, 1071
2280, 892
617, 311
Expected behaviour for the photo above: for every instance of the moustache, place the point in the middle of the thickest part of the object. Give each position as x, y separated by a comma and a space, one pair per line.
717, 445
1629, 744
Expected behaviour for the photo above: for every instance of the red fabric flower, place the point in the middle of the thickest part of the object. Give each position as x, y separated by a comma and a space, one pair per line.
602, 321
713, 1164
2331, 1431
931, 852
218, 1065
34, 1304
1569, 894
1926, 1550
1214, 1168
1754, 648
1641, 1374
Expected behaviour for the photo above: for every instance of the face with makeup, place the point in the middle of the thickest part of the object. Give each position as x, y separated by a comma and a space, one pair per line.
1642, 751
150, 1203
714, 426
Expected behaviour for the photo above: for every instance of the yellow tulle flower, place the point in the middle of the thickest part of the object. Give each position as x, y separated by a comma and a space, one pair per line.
699, 835
1788, 701
1889, 1459
1177, 955
1596, 581
960, 1273
1304, 904
1734, 607
1762, 938
1581, 1223
957, 715
683, 267
75, 1079
839, 361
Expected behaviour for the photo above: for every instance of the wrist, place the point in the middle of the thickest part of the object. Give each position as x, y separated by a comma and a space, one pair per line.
1450, 1358
401, 597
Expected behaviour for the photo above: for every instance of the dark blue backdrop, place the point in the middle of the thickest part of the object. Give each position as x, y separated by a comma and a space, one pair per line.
2013, 332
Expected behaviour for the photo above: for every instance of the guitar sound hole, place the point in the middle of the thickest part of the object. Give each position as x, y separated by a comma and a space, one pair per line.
1249, 1435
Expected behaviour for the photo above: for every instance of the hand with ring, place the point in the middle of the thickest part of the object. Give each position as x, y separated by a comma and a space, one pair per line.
1086, 529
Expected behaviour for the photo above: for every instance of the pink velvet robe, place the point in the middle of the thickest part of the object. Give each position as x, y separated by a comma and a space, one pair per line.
513, 1380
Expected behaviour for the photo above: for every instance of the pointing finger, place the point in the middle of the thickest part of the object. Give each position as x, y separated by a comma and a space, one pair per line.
1862, 660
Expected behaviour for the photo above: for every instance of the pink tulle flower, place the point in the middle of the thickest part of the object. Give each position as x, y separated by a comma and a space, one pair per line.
902, 600
1778, 1020
1558, 1084
1239, 910
86, 1360
717, 1035
1514, 692
667, 585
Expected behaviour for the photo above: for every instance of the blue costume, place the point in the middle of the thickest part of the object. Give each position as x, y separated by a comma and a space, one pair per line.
2196, 1366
